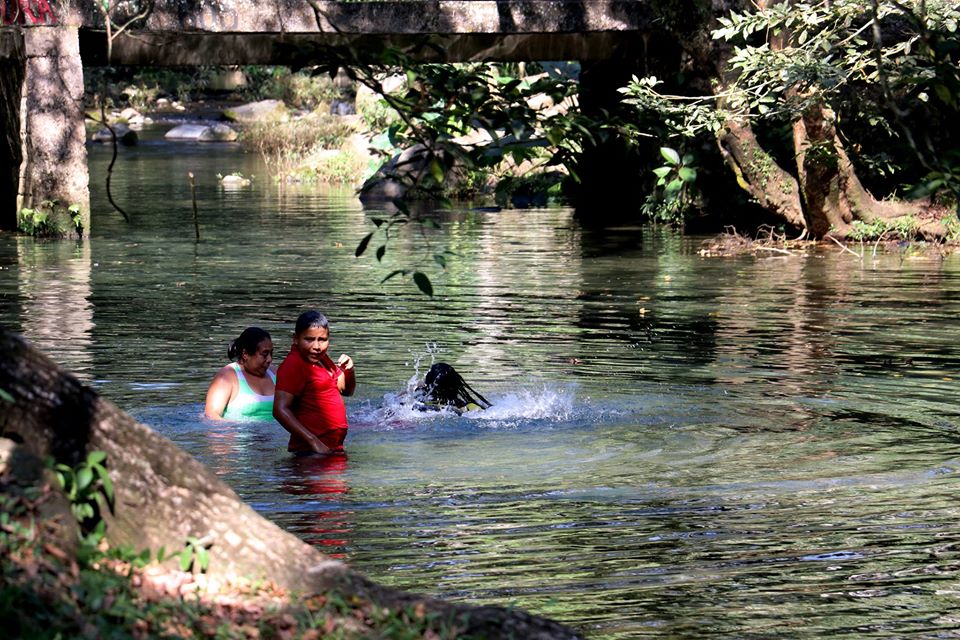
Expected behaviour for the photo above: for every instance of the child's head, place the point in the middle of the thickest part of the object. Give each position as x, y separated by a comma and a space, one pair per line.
311, 336
312, 319
443, 384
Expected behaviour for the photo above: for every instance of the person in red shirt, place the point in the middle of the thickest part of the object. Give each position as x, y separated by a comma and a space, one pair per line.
308, 398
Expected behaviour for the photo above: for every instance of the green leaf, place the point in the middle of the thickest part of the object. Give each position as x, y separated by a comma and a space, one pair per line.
84, 478
440, 260
423, 283
107, 484
363, 245
6, 397
687, 174
670, 155
96, 457
662, 172
186, 557
203, 559
382, 249
377, 221
674, 186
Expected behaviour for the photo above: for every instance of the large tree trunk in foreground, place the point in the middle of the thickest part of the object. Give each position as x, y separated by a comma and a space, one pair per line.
163, 495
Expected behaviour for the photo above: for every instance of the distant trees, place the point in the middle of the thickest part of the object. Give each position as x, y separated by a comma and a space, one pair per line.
817, 106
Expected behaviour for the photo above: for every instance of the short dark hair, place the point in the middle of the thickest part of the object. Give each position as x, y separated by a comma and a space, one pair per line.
311, 319
247, 342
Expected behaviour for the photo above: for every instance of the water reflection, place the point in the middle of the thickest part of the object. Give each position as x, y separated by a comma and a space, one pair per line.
54, 294
318, 486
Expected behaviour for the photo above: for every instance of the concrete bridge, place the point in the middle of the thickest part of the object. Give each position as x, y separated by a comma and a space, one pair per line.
44, 47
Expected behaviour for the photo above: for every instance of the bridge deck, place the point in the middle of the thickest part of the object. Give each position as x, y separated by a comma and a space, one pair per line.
185, 32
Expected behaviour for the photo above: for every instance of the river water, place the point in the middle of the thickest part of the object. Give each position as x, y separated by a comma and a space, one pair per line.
679, 446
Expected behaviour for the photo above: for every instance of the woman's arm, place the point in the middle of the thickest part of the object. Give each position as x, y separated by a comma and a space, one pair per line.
283, 412
222, 389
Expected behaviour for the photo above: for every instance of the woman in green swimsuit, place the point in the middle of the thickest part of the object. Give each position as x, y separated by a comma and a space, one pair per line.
243, 390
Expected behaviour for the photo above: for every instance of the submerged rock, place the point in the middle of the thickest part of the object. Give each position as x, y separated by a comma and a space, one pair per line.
125, 135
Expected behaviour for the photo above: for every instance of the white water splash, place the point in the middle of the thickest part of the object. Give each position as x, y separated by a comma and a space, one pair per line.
545, 403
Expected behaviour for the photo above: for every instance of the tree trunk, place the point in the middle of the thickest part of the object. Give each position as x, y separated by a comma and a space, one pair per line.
759, 174
163, 495
833, 195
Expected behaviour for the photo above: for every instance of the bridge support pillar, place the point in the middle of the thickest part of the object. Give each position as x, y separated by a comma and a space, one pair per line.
47, 124
12, 64
609, 170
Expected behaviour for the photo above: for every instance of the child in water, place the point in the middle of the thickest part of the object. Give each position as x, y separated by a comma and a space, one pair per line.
444, 388
308, 401
243, 389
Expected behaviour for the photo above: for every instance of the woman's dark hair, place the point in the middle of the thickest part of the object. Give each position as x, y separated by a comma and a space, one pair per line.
445, 386
248, 342
311, 319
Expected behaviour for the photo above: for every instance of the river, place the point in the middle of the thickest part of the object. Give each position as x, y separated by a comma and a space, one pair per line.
680, 446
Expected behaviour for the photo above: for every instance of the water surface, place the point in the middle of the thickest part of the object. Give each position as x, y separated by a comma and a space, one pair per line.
679, 446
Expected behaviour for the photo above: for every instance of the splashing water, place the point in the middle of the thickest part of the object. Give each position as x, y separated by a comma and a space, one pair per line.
547, 403
526, 407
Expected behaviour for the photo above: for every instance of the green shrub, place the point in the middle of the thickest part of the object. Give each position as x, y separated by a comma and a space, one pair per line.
283, 146
50, 219
300, 90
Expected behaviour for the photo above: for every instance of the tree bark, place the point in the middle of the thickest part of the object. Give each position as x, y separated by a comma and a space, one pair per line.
163, 495
759, 174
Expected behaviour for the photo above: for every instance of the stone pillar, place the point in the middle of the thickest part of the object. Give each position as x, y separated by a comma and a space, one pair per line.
12, 64
54, 169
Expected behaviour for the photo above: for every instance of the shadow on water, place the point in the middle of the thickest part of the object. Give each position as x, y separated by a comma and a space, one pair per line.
678, 446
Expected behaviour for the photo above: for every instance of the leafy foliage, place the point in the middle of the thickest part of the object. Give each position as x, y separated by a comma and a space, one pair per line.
50, 219
194, 555
890, 70
676, 187
87, 486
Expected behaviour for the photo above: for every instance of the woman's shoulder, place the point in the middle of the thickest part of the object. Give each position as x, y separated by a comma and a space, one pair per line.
227, 372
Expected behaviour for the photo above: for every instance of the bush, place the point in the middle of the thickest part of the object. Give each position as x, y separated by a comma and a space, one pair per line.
283, 146
300, 90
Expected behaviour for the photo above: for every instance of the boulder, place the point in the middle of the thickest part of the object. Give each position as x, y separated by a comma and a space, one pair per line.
202, 133
219, 133
262, 111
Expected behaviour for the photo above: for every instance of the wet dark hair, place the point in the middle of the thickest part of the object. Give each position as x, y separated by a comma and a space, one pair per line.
444, 385
311, 319
248, 342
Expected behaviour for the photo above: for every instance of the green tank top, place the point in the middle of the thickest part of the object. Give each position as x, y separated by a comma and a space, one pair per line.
249, 405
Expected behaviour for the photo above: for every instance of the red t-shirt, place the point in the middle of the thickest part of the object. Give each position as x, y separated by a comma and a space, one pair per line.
317, 402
